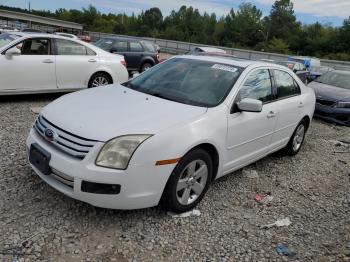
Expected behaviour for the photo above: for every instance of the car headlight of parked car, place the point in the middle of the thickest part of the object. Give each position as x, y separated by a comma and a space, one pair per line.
116, 153
342, 105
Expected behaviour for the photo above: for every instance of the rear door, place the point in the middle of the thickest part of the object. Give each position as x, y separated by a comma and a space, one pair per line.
33, 70
75, 64
289, 105
249, 133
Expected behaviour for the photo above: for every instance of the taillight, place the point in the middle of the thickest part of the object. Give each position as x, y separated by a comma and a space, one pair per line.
123, 62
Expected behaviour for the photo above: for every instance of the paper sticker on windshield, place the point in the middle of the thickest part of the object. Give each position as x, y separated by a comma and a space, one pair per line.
225, 68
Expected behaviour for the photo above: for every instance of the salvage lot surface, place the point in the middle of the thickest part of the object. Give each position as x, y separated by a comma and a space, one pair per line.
312, 189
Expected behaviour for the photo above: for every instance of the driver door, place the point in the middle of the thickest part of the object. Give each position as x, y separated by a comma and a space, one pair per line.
249, 133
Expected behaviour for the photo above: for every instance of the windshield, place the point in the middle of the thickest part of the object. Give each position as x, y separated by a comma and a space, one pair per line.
7, 38
188, 81
104, 43
337, 79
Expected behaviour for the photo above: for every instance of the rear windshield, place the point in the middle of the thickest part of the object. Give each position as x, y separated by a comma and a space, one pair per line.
337, 79
7, 38
188, 81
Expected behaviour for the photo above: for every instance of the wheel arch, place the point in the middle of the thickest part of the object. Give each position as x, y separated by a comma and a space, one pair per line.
307, 120
214, 154
147, 59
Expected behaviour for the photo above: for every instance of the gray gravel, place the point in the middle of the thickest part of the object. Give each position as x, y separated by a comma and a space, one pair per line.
312, 189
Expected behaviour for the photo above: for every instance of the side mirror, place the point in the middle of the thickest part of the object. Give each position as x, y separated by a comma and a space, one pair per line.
14, 51
250, 105
295, 70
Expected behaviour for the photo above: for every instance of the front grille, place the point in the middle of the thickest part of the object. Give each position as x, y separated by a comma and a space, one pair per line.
71, 144
325, 102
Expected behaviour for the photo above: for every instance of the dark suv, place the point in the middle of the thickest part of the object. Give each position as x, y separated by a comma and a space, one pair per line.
139, 55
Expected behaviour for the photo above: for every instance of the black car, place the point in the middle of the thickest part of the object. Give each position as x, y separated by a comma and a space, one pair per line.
298, 68
333, 96
139, 55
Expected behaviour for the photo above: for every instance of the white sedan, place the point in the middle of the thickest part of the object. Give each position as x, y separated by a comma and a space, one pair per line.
39, 63
165, 135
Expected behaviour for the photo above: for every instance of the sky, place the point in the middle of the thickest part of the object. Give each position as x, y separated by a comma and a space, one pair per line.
307, 11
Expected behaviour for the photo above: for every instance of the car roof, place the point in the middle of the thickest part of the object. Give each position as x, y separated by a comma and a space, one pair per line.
230, 60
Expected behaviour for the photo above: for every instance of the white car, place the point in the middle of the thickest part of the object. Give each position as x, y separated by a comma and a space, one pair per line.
39, 63
165, 135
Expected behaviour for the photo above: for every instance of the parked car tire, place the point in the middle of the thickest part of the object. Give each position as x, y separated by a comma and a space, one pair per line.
296, 141
188, 182
145, 66
100, 79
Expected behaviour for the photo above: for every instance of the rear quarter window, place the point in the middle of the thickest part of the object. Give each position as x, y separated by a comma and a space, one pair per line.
286, 85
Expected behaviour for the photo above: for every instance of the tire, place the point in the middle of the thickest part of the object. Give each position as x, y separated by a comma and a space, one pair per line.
145, 67
296, 141
184, 189
99, 79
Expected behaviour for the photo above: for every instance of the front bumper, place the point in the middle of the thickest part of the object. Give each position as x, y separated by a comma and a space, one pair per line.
141, 186
339, 116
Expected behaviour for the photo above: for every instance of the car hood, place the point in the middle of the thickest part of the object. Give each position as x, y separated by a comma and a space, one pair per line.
103, 113
329, 92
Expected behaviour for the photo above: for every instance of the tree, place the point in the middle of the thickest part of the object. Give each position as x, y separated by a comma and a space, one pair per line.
277, 45
282, 22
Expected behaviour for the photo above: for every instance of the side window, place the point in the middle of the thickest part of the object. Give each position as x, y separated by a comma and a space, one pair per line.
135, 47
257, 86
67, 47
121, 46
286, 85
90, 52
35, 46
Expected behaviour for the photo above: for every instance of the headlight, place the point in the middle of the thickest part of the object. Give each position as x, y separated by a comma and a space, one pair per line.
342, 105
117, 152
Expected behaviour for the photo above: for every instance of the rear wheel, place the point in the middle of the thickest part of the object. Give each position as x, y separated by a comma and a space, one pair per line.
188, 182
296, 141
145, 67
100, 79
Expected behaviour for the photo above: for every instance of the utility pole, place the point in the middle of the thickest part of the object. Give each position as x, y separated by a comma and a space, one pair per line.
29, 22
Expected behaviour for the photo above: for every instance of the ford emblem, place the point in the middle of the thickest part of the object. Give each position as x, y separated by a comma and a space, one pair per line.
49, 134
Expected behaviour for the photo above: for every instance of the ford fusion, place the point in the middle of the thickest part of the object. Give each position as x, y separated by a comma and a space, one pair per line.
164, 136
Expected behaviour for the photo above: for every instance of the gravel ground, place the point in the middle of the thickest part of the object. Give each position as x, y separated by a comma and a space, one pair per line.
312, 189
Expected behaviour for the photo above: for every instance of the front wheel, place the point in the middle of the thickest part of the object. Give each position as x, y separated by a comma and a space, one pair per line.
296, 141
188, 182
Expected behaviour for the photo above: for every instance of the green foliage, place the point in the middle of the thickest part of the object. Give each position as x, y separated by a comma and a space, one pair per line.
277, 45
243, 28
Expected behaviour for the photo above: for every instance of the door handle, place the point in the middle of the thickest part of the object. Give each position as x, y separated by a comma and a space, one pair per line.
47, 61
301, 105
271, 114
92, 60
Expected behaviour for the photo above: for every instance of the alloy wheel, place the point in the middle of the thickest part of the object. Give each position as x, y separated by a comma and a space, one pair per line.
298, 137
192, 182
